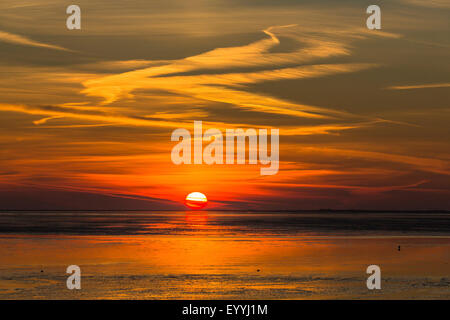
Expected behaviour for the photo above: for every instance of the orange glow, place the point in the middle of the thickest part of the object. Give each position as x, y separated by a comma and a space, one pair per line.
196, 200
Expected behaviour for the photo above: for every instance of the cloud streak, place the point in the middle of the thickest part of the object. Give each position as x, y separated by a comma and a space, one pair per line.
21, 40
420, 86
208, 76
429, 3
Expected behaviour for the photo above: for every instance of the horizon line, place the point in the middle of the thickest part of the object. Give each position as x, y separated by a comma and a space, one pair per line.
237, 210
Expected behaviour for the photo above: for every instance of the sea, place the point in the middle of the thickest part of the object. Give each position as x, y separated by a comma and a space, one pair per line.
224, 254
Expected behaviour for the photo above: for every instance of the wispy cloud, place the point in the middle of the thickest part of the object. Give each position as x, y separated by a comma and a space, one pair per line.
234, 67
215, 77
425, 164
21, 40
429, 3
155, 121
44, 120
420, 86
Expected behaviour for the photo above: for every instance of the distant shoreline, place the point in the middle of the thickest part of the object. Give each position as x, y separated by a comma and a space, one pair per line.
228, 210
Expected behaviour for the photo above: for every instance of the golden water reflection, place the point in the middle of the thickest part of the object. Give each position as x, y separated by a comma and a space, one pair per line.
206, 256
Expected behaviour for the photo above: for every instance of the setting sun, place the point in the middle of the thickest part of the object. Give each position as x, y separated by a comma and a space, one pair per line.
196, 200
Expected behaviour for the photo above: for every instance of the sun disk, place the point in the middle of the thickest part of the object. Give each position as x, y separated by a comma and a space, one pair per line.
196, 200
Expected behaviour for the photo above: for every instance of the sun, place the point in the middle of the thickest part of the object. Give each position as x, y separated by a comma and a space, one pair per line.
196, 200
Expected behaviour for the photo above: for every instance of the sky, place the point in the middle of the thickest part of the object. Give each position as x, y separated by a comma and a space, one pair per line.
86, 115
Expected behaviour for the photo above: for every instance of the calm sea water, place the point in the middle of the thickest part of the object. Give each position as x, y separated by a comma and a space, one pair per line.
224, 255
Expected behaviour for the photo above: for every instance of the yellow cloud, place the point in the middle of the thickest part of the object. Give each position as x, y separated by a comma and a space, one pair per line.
225, 86
17, 39
425, 164
420, 86
44, 120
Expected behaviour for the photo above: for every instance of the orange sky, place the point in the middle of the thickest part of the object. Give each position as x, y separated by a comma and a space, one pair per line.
87, 115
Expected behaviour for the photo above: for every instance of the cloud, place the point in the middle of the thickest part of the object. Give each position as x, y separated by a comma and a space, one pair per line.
219, 75
429, 3
58, 112
354, 188
55, 111
17, 39
320, 129
420, 86
425, 164
44, 120
215, 77
161, 120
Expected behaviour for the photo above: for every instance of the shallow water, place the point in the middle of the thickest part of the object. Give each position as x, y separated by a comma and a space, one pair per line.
224, 255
